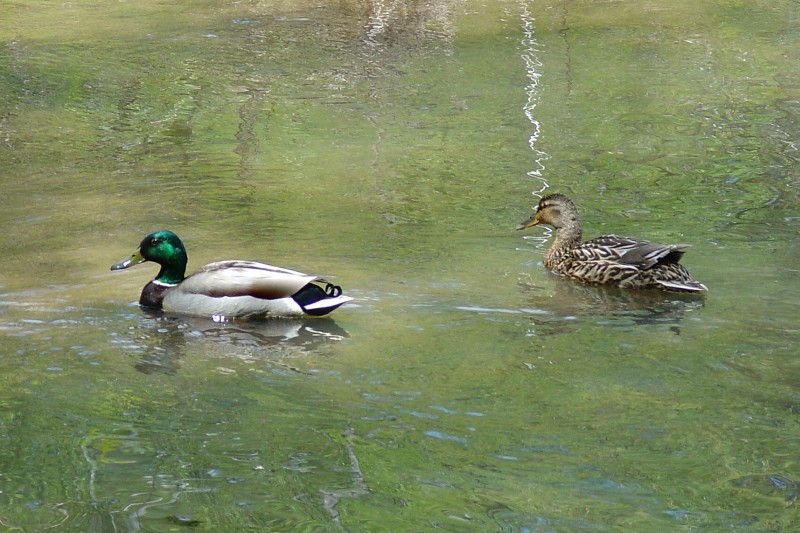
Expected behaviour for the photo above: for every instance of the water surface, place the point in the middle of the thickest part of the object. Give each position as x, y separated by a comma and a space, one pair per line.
395, 146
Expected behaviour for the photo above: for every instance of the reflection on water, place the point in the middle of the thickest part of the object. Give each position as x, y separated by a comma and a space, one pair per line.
533, 69
389, 22
564, 300
160, 341
562, 306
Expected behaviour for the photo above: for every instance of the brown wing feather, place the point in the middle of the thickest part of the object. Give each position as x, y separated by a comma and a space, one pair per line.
634, 252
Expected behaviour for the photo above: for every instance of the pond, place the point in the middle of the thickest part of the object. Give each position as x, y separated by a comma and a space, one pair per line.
393, 147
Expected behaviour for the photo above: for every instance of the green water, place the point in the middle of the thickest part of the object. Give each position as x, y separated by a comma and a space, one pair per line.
394, 146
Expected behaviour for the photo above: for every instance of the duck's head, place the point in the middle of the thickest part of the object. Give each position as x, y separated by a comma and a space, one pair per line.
162, 247
555, 210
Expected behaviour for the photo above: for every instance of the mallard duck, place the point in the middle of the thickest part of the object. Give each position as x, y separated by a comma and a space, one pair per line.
228, 289
609, 260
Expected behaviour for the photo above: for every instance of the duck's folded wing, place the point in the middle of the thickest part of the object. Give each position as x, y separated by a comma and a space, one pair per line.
245, 278
607, 248
635, 252
649, 254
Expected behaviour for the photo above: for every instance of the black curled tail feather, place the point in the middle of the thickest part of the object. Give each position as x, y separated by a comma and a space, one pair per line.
313, 293
332, 290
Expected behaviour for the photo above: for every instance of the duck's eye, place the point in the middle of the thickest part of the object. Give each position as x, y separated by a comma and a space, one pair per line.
155, 241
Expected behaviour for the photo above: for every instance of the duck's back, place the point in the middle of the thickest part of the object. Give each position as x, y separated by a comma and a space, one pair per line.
628, 251
238, 289
245, 278
626, 262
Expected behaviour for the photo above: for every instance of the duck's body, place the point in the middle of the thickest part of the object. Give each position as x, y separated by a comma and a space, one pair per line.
229, 289
609, 260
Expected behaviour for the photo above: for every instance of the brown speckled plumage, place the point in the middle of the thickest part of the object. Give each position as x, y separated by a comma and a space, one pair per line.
609, 260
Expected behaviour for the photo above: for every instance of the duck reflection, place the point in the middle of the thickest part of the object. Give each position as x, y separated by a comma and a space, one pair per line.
162, 341
562, 303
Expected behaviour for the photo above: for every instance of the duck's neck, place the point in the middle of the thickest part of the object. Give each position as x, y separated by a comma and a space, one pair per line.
170, 275
569, 234
173, 272
567, 237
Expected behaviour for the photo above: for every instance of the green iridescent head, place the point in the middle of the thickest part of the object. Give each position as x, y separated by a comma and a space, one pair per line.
162, 247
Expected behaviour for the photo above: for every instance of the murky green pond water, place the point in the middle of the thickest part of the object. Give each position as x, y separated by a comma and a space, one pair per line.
395, 145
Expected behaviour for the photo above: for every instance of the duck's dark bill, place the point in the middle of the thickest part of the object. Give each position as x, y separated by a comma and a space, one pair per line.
135, 259
528, 223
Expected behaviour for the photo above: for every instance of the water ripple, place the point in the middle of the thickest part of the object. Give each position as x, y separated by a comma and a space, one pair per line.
444, 436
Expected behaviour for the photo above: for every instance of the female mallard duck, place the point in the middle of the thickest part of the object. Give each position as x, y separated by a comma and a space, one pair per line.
609, 260
228, 289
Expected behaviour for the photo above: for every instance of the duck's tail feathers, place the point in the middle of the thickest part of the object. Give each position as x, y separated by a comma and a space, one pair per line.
316, 300
683, 286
